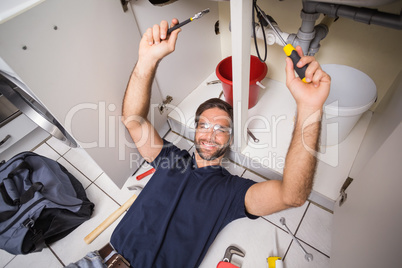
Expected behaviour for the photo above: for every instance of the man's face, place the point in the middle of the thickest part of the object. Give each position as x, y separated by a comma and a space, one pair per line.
212, 135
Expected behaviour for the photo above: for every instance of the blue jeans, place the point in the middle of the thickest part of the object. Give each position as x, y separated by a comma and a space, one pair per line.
91, 260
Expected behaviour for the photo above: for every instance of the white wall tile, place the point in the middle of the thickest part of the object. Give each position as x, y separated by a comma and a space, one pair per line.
123, 194
75, 172
58, 145
315, 229
179, 141
47, 151
45, 258
5, 257
293, 217
192, 150
232, 167
295, 258
80, 159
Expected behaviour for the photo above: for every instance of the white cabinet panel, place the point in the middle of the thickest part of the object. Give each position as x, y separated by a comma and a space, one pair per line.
76, 56
16, 130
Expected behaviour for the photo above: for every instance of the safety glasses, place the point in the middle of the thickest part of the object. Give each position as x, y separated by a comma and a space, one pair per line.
217, 129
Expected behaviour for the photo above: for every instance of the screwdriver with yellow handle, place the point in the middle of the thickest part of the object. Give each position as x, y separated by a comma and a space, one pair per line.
290, 51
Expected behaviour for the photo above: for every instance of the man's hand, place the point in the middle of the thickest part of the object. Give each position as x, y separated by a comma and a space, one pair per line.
309, 96
156, 44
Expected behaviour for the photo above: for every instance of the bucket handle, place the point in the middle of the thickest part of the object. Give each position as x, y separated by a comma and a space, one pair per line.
258, 83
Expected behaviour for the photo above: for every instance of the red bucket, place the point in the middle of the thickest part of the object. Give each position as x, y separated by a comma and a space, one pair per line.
258, 70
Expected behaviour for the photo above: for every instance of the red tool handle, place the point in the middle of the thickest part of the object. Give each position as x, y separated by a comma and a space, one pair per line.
224, 264
146, 173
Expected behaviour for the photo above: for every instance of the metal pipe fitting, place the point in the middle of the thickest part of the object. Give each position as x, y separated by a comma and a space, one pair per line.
321, 31
306, 32
270, 35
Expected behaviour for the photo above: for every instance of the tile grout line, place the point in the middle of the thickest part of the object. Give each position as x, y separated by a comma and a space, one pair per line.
276, 226
65, 159
100, 188
57, 257
41, 143
291, 242
91, 181
94, 182
9, 261
178, 134
301, 240
44, 142
305, 212
301, 220
316, 249
297, 228
321, 207
287, 250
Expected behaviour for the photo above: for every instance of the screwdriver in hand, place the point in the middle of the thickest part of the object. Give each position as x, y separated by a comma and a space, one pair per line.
196, 16
290, 51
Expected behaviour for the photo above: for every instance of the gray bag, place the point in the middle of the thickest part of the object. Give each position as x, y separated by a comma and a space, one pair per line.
40, 202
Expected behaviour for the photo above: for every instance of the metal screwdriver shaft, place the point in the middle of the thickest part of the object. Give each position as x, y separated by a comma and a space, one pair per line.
270, 25
290, 51
196, 16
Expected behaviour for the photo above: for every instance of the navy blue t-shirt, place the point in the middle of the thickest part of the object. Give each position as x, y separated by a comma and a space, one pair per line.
178, 214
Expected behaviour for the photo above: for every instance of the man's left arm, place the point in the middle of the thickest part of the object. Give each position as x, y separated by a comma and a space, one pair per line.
272, 196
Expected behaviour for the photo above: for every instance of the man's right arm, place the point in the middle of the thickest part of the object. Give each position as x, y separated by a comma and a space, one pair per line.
154, 46
274, 195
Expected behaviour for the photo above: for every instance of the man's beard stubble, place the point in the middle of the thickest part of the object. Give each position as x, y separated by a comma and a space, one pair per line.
221, 151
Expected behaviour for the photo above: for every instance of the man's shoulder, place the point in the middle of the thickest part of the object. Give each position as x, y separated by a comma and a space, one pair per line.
170, 147
170, 152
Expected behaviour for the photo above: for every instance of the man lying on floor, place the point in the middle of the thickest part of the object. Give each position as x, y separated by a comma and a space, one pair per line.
191, 198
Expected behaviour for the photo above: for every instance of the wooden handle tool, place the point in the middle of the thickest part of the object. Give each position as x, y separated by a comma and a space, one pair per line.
109, 220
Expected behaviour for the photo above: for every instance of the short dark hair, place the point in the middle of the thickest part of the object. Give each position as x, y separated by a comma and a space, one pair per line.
214, 103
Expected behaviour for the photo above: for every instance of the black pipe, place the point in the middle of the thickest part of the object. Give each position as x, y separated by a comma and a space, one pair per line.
359, 14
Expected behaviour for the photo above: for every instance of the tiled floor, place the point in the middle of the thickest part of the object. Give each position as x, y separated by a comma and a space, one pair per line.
310, 223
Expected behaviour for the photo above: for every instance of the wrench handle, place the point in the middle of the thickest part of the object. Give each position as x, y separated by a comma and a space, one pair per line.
224, 264
308, 256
